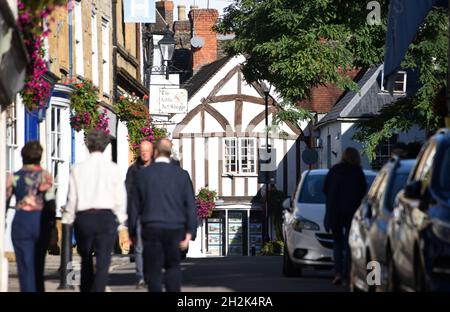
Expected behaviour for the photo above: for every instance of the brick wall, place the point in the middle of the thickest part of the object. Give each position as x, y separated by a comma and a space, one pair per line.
165, 8
202, 21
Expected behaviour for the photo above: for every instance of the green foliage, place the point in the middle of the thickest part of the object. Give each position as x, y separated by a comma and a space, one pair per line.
207, 195
428, 56
298, 45
292, 114
272, 248
135, 114
84, 105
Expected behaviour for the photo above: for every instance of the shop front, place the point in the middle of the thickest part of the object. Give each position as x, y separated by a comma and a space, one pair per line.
231, 230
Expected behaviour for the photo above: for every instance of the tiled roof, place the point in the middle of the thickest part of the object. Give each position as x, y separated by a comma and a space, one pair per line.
203, 75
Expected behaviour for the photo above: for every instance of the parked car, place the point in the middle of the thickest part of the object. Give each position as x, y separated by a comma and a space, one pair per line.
368, 232
419, 232
306, 242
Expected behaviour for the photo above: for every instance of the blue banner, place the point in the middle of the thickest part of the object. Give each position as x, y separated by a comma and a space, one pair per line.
139, 11
405, 17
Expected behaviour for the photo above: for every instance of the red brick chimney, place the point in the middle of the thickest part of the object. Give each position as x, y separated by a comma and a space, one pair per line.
202, 21
165, 8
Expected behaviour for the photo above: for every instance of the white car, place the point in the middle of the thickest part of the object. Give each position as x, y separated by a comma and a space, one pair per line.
306, 243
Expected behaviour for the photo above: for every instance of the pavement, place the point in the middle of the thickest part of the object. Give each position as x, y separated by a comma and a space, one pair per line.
221, 274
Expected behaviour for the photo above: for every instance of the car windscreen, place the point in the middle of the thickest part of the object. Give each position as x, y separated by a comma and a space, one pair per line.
312, 190
397, 184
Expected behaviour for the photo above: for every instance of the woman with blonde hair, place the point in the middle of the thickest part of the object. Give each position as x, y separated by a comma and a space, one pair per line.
345, 186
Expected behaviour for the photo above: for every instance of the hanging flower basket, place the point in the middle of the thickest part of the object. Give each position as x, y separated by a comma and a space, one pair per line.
86, 112
32, 17
205, 200
132, 110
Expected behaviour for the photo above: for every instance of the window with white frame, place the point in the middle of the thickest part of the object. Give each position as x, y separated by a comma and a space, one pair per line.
240, 155
399, 83
105, 55
247, 160
230, 155
56, 143
95, 68
11, 138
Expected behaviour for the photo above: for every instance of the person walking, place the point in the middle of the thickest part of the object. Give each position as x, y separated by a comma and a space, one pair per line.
96, 204
144, 160
34, 217
165, 202
345, 186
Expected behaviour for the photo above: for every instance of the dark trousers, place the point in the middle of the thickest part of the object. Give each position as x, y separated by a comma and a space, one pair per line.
25, 232
341, 251
162, 250
95, 232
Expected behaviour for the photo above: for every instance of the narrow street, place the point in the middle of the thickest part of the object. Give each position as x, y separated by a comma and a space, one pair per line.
226, 274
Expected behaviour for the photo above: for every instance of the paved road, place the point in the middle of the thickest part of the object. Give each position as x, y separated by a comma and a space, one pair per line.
252, 274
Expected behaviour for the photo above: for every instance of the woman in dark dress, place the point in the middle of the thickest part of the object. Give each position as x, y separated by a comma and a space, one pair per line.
34, 217
345, 186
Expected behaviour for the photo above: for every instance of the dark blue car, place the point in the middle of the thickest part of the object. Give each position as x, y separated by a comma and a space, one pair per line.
368, 232
419, 232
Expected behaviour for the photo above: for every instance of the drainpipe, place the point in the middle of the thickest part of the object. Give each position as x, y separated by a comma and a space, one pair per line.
114, 34
66, 239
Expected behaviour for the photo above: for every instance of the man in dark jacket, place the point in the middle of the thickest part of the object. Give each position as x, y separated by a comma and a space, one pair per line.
144, 160
345, 186
165, 202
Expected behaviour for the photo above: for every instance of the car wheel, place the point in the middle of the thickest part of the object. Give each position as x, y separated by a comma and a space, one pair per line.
392, 282
290, 269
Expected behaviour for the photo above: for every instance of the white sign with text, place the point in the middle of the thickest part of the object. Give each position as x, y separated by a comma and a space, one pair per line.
173, 101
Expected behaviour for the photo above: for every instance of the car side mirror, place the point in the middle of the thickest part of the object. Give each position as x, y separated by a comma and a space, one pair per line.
287, 204
413, 190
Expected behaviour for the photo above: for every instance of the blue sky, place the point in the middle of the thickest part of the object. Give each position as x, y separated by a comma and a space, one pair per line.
202, 4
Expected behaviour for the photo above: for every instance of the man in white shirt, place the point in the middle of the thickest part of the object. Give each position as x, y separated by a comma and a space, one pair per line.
96, 204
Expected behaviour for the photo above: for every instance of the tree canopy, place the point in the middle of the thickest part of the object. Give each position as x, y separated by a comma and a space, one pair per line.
297, 45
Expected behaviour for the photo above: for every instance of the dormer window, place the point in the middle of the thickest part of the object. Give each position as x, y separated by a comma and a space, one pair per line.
399, 84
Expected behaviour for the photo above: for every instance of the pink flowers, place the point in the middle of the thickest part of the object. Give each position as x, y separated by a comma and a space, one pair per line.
102, 123
205, 202
204, 209
36, 91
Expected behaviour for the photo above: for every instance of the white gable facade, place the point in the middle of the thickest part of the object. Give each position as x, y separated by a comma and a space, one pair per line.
217, 142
